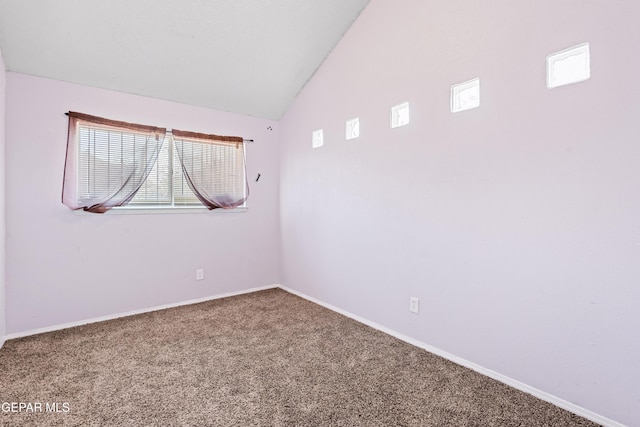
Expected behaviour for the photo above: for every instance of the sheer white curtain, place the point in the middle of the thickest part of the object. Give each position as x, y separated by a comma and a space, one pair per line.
214, 168
107, 161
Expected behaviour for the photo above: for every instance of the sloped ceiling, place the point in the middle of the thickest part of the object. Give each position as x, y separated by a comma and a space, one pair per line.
245, 56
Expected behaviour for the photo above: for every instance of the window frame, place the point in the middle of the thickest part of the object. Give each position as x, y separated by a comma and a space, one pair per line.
150, 206
141, 208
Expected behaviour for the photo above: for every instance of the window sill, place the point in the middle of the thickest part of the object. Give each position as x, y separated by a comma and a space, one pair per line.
148, 210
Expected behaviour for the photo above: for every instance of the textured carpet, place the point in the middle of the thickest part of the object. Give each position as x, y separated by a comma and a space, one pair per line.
267, 358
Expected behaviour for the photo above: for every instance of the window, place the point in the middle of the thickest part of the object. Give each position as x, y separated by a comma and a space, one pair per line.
352, 128
111, 164
400, 115
465, 96
571, 65
317, 138
213, 167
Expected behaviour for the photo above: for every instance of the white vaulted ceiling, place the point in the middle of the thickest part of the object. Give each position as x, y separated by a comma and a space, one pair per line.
245, 56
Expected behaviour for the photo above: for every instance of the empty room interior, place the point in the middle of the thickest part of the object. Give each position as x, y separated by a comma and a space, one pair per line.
458, 179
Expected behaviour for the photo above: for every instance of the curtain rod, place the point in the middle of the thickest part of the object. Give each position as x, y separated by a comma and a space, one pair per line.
243, 139
169, 130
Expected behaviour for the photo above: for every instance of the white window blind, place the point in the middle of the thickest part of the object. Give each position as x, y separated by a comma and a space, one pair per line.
166, 186
109, 153
215, 168
111, 163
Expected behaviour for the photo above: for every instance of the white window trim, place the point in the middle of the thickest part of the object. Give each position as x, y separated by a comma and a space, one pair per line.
317, 138
350, 128
148, 210
151, 209
396, 116
563, 55
456, 91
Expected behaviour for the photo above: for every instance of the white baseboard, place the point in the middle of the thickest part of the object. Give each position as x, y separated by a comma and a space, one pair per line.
578, 410
130, 313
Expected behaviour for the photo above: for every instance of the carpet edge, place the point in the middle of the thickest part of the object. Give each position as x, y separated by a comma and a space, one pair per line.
542, 395
130, 313
547, 397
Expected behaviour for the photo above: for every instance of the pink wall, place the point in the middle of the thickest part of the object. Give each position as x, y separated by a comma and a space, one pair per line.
516, 224
2, 204
63, 267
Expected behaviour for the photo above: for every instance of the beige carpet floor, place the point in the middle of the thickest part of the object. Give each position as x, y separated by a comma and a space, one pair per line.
262, 359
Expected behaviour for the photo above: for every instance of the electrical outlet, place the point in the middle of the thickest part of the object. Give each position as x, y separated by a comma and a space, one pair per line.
414, 305
200, 274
